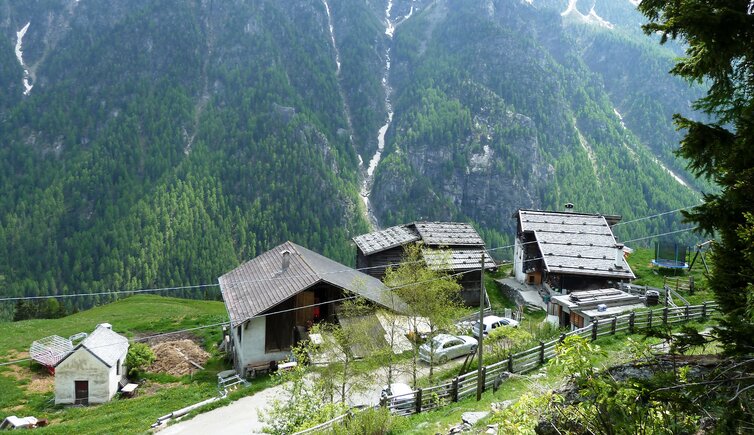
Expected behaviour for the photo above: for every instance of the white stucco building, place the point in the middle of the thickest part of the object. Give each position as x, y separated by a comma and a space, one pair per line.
92, 372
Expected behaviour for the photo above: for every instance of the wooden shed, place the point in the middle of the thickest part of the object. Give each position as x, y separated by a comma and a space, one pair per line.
286, 290
455, 247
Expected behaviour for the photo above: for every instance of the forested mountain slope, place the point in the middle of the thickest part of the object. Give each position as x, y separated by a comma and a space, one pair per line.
162, 143
504, 104
148, 144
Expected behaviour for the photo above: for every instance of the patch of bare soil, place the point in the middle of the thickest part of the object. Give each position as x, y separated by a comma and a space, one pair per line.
18, 372
39, 381
16, 354
168, 337
175, 357
41, 385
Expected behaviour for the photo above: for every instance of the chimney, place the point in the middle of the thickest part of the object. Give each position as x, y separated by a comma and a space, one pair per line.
105, 325
286, 260
619, 256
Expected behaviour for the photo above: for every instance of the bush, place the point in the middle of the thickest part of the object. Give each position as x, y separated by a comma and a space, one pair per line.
139, 357
371, 421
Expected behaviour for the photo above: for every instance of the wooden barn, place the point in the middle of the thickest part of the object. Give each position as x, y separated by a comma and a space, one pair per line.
568, 251
275, 297
452, 246
94, 370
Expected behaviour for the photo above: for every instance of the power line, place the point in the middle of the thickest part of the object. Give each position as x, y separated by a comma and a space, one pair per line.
654, 216
139, 339
663, 234
189, 287
347, 270
336, 300
114, 292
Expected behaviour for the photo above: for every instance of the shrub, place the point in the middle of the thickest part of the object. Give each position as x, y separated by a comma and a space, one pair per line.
139, 357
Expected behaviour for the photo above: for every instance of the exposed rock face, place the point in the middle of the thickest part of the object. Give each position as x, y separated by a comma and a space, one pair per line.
502, 169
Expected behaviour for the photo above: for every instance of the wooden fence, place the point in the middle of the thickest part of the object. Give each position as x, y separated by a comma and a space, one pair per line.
460, 387
424, 399
326, 425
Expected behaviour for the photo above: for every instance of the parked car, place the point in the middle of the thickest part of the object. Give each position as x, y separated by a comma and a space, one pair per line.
493, 322
402, 396
447, 347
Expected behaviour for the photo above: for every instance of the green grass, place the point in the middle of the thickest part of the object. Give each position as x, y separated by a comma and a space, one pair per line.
545, 379
142, 314
161, 394
498, 300
647, 274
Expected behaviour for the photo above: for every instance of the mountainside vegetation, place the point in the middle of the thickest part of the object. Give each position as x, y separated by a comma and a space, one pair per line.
149, 144
503, 105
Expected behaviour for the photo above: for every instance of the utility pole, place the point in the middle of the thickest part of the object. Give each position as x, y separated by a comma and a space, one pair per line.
480, 347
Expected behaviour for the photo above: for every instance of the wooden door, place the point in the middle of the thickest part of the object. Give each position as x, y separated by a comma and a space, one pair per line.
82, 392
304, 315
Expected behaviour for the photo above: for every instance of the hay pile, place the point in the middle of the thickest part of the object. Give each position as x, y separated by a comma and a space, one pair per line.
173, 357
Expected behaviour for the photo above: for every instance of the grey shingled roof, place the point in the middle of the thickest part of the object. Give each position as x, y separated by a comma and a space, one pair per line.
385, 239
448, 234
456, 259
430, 233
260, 284
574, 243
105, 344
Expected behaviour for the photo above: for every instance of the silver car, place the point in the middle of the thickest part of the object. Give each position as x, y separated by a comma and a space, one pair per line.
447, 347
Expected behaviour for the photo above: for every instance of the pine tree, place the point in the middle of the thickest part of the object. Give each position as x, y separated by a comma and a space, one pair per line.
719, 52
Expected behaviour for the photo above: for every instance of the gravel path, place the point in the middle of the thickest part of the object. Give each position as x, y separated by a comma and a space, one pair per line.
243, 415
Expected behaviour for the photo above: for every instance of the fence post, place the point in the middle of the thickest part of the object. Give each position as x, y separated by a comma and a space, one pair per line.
418, 403
704, 310
383, 401
562, 337
665, 316
595, 322
687, 312
631, 318
613, 325
510, 363
649, 319
454, 390
484, 378
691, 284
541, 352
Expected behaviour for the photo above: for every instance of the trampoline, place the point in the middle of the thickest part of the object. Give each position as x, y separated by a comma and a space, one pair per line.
670, 256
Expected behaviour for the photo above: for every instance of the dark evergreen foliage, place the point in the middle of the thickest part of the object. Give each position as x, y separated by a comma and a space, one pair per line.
719, 36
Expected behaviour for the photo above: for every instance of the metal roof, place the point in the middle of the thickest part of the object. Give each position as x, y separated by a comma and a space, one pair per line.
50, 350
575, 243
261, 283
456, 259
105, 344
448, 234
385, 239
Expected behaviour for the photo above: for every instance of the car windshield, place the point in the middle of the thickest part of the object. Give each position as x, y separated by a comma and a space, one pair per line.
440, 343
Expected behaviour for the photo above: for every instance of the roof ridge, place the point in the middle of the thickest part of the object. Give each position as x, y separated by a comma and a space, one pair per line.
296, 248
